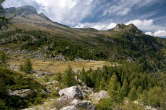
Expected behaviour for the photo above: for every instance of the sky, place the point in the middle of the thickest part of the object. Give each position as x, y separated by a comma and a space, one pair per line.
147, 15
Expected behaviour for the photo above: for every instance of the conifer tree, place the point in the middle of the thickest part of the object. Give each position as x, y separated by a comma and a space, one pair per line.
124, 89
69, 77
132, 94
27, 66
3, 58
114, 89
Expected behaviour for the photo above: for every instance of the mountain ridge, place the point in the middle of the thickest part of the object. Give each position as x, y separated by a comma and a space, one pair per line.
30, 12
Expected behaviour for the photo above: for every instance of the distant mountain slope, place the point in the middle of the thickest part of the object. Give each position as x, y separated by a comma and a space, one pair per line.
29, 15
35, 32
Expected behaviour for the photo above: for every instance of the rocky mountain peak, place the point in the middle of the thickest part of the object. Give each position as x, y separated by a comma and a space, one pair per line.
21, 11
129, 28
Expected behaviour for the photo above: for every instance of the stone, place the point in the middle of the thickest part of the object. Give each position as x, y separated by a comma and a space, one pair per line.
40, 73
20, 93
73, 92
52, 82
14, 67
69, 108
96, 97
149, 108
60, 57
85, 105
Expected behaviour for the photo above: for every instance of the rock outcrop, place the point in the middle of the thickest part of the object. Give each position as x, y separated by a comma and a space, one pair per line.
69, 108
72, 99
85, 105
21, 93
71, 93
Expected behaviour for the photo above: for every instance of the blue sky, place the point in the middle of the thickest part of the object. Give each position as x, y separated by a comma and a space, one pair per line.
148, 15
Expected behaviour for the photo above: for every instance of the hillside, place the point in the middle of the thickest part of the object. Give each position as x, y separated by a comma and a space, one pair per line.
121, 67
35, 32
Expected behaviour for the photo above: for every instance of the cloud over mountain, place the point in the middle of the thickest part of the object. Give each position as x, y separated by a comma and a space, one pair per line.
101, 14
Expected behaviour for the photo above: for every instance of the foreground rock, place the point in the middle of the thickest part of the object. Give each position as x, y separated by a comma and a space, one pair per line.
72, 99
85, 105
71, 93
69, 108
21, 93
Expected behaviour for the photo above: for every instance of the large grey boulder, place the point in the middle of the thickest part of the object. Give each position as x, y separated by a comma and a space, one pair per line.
73, 92
69, 108
85, 105
20, 93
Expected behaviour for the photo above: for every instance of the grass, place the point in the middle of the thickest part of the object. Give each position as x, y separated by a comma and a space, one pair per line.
59, 66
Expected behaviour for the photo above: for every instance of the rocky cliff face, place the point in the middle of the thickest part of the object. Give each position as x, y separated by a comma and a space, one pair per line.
29, 15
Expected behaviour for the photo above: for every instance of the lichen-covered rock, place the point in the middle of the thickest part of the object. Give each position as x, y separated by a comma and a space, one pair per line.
85, 105
20, 93
73, 92
69, 108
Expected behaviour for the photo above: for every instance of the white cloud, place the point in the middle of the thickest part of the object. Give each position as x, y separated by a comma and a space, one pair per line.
143, 24
150, 27
98, 26
146, 25
123, 7
159, 33
149, 33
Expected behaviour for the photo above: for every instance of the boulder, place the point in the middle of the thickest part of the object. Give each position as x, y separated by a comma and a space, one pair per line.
69, 108
73, 92
85, 105
20, 93
40, 73
52, 82
96, 97
60, 57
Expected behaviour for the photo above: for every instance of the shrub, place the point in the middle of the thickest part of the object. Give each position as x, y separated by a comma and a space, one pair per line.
3, 58
69, 77
155, 97
132, 94
27, 66
10, 80
105, 104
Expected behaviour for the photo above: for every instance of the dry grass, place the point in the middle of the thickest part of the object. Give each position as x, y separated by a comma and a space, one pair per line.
59, 66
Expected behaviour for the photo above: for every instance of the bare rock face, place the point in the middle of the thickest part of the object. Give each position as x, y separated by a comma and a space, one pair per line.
96, 97
119, 27
73, 92
21, 93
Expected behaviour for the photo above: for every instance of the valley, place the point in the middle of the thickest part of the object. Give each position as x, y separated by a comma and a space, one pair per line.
45, 65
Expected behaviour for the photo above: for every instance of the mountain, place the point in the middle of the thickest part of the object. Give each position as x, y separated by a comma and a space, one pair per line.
29, 16
35, 32
34, 49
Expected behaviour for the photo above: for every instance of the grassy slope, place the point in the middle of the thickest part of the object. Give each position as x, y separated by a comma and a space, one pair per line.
126, 43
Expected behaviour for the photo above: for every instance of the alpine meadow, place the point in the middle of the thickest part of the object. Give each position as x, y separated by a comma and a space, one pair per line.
70, 56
